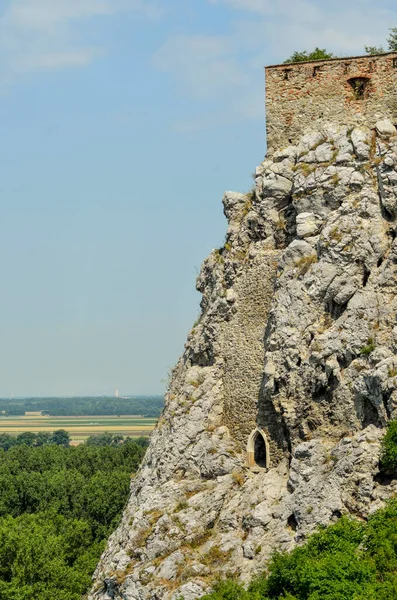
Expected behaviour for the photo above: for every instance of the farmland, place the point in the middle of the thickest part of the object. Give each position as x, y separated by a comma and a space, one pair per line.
79, 428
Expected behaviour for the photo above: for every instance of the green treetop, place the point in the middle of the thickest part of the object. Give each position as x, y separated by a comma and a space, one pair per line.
316, 54
391, 44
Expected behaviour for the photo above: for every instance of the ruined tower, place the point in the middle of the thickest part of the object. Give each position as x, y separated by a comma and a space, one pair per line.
347, 91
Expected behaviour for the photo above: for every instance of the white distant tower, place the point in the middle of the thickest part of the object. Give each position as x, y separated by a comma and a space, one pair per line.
116, 393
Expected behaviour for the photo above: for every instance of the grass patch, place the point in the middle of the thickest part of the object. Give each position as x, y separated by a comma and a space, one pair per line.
304, 263
181, 506
248, 203
201, 539
238, 478
368, 348
216, 557
335, 234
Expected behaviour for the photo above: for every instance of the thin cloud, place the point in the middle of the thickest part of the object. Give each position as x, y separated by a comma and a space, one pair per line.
38, 35
289, 9
205, 65
228, 68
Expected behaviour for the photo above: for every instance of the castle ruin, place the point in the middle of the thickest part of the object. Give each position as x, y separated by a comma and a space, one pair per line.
349, 91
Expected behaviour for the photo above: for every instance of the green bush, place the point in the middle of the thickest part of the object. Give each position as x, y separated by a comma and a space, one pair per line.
368, 348
389, 449
316, 54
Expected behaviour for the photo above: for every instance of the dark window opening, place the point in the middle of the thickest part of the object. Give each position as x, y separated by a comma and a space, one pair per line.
386, 403
287, 73
334, 309
367, 413
395, 63
344, 361
336, 515
320, 393
366, 275
384, 478
316, 70
359, 86
260, 452
388, 216
292, 522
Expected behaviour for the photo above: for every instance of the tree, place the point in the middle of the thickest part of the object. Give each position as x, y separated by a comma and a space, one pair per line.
43, 438
374, 49
102, 439
7, 441
60, 438
27, 438
391, 44
392, 39
316, 54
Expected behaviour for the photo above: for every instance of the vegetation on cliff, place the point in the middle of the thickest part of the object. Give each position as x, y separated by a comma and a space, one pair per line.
352, 559
389, 449
58, 505
348, 560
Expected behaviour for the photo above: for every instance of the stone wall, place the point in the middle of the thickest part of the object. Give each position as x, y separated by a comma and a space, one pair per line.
302, 95
243, 350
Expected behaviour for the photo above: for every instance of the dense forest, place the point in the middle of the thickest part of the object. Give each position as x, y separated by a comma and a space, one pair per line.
146, 406
62, 438
58, 505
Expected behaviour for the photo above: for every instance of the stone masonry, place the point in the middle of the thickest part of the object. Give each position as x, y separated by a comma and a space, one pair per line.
347, 91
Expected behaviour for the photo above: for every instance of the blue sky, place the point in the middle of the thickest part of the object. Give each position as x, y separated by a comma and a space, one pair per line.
122, 123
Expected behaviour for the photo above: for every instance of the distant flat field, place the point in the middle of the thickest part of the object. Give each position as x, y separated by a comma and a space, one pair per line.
79, 427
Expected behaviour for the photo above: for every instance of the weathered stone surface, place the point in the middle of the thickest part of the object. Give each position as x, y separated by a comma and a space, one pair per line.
297, 337
307, 224
385, 128
361, 142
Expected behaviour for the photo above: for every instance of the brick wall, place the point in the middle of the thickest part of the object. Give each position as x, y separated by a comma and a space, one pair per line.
348, 91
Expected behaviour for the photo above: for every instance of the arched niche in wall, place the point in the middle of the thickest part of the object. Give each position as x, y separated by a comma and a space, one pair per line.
258, 452
360, 86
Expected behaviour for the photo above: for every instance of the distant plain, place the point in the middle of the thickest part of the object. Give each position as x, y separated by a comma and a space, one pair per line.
79, 427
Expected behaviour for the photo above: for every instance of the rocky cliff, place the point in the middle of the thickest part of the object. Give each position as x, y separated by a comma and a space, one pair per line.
295, 347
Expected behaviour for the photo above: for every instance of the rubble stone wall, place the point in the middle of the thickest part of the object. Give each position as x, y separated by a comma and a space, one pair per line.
244, 352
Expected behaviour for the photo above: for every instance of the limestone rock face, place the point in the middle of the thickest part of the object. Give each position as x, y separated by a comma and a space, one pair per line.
297, 337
